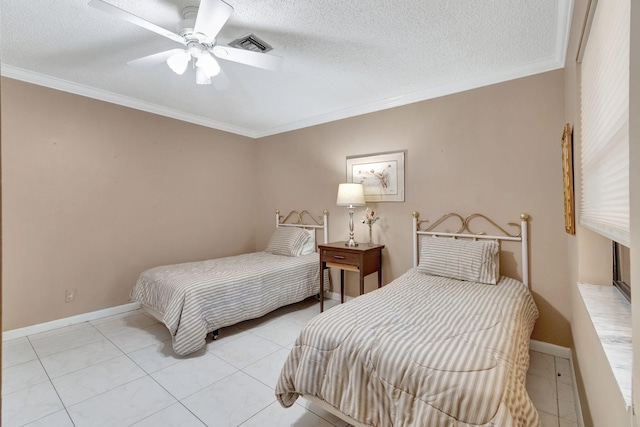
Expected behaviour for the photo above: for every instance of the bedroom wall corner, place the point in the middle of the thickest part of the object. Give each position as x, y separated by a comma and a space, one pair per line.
95, 193
494, 150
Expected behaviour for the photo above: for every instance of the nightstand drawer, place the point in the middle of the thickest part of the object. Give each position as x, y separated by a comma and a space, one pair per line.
340, 257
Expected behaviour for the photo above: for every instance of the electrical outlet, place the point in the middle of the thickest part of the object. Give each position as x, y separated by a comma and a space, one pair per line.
70, 295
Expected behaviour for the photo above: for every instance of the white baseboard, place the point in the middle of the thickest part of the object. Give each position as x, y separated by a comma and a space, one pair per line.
68, 321
552, 349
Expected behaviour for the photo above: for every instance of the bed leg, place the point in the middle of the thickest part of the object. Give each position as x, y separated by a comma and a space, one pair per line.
214, 335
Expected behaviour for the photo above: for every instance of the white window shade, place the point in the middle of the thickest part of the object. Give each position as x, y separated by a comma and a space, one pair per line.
604, 204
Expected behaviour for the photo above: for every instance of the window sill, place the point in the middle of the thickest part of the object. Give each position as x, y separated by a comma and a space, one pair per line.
610, 314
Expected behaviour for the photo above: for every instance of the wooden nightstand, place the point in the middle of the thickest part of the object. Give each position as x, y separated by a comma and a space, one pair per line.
363, 259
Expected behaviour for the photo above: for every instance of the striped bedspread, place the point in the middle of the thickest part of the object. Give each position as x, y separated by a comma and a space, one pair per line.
421, 351
199, 297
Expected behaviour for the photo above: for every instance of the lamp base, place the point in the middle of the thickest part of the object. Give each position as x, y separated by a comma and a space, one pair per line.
351, 243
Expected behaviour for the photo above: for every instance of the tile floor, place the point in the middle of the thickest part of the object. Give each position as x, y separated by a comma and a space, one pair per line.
121, 371
550, 386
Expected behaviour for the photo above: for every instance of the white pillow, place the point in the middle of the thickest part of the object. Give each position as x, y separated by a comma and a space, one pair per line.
310, 246
459, 259
287, 241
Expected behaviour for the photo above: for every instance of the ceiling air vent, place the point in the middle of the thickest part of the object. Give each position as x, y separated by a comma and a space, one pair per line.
251, 42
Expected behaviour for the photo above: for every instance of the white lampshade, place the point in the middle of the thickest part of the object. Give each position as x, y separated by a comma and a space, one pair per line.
350, 194
178, 62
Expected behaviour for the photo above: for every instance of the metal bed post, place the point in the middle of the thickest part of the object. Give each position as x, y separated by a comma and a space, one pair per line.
524, 224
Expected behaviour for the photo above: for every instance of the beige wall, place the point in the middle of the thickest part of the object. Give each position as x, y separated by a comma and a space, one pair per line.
94, 193
494, 150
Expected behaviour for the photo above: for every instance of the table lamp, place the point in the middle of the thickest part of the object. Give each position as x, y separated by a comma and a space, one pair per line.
351, 195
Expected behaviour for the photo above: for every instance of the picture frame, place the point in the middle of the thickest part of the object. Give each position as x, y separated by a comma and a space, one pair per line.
567, 174
381, 174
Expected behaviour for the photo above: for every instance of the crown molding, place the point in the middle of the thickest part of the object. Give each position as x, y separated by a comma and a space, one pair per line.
114, 98
423, 95
565, 10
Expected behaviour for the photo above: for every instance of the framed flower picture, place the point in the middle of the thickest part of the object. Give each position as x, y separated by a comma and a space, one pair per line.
381, 175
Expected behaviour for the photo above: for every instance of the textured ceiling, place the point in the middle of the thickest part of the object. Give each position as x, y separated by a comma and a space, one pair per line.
341, 57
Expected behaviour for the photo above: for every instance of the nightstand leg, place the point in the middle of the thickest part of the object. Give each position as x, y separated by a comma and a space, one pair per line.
341, 286
361, 282
380, 277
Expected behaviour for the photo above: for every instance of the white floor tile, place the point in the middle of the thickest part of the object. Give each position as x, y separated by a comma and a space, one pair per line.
190, 375
305, 315
230, 401
542, 392
159, 356
68, 361
567, 410
281, 331
120, 323
244, 351
174, 415
132, 339
57, 419
567, 423
30, 404
122, 406
64, 339
542, 365
548, 420
66, 330
267, 370
563, 370
88, 382
277, 416
22, 376
227, 334
565, 392
17, 351
322, 413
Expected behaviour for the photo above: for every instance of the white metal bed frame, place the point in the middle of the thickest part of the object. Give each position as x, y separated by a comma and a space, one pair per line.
300, 223
465, 232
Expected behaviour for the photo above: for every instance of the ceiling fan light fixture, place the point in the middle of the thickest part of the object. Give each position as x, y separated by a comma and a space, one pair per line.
201, 77
208, 65
178, 62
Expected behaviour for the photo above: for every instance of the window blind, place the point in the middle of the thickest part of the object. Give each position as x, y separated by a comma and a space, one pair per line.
604, 91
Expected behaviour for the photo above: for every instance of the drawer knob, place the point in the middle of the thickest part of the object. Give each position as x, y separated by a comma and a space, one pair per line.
338, 257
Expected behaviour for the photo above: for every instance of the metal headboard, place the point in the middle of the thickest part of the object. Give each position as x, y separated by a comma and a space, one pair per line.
465, 231
297, 219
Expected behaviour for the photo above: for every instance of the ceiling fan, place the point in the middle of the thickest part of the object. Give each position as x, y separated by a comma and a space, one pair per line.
197, 32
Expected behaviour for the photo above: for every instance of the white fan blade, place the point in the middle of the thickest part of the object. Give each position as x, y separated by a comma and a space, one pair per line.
154, 59
212, 15
255, 59
221, 81
123, 14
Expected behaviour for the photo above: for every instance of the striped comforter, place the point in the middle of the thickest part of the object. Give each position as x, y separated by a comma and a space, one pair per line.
422, 351
199, 297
